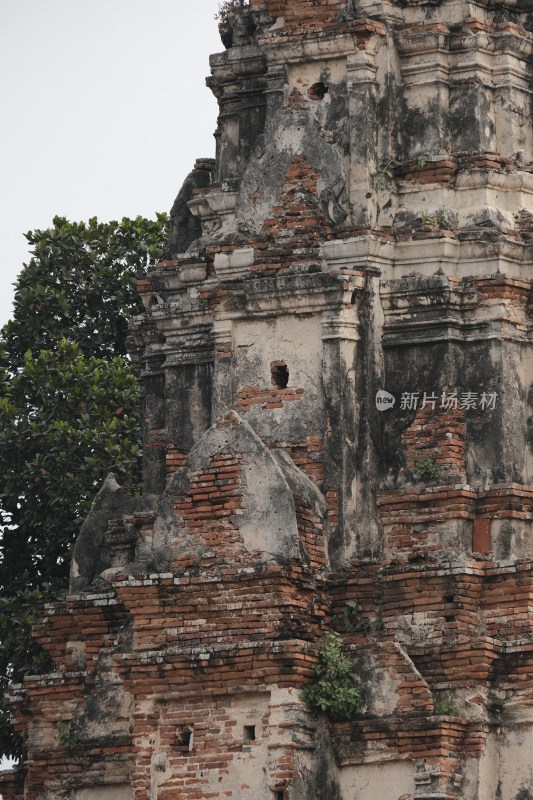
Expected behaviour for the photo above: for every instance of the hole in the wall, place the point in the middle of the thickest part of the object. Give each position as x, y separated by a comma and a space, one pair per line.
449, 598
353, 298
154, 301
184, 738
280, 374
249, 733
449, 618
227, 39
318, 91
279, 795
251, 26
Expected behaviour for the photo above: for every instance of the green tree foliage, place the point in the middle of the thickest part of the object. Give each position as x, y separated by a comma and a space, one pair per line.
334, 689
65, 421
80, 285
69, 414
19, 654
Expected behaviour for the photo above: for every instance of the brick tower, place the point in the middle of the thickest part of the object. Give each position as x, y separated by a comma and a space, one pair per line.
338, 375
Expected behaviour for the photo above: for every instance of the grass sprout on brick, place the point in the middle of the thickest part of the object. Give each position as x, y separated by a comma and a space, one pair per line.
445, 708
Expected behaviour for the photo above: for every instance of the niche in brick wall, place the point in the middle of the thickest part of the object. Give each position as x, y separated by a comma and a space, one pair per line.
481, 535
318, 91
280, 374
184, 738
249, 733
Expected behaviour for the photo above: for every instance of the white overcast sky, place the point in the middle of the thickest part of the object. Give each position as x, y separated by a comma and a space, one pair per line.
103, 111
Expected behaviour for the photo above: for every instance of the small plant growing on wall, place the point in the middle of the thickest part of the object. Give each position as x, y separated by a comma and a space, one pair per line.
385, 171
446, 708
426, 470
227, 6
334, 689
439, 219
354, 620
66, 736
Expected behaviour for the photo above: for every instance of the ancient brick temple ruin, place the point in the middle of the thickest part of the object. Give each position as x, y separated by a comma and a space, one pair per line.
338, 375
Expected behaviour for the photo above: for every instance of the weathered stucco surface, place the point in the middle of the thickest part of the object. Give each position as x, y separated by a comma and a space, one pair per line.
365, 231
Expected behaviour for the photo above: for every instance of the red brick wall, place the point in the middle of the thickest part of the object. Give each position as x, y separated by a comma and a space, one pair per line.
439, 434
270, 397
208, 509
307, 455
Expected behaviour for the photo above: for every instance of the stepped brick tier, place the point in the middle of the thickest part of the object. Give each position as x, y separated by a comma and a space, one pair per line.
337, 364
